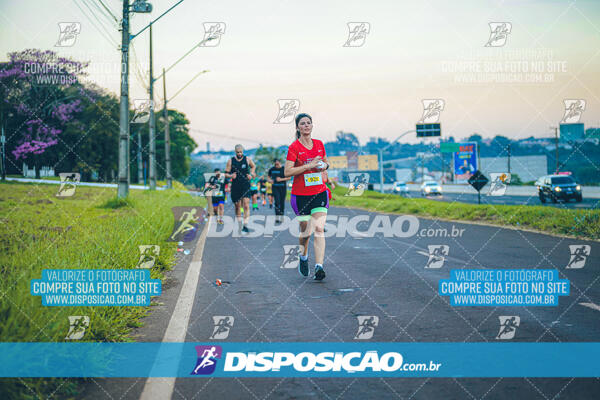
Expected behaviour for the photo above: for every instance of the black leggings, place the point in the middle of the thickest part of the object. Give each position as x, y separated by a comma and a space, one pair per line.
279, 195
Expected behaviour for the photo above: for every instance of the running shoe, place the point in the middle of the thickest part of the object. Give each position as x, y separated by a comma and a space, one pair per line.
303, 267
245, 230
319, 273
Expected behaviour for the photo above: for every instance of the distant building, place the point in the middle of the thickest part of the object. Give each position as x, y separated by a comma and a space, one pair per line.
214, 159
338, 162
529, 168
368, 162
352, 159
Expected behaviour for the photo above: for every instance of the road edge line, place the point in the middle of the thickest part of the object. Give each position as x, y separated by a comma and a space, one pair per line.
162, 388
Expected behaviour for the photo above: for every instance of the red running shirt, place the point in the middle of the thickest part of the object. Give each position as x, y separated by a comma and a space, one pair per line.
300, 155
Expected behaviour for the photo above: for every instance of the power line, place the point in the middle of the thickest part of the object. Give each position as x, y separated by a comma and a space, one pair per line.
100, 23
138, 73
109, 11
104, 14
108, 38
156, 19
186, 85
232, 137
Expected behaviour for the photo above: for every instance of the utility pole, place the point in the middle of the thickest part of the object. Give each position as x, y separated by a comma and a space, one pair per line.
123, 187
129, 157
508, 149
167, 137
556, 143
151, 124
139, 157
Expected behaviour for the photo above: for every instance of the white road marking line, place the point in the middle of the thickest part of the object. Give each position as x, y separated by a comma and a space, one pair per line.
162, 388
591, 305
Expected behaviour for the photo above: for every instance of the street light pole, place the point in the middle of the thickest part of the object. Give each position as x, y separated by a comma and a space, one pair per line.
381, 157
152, 124
508, 148
556, 145
123, 187
139, 157
167, 136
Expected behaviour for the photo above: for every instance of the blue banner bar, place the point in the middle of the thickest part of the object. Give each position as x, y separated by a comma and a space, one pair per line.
299, 359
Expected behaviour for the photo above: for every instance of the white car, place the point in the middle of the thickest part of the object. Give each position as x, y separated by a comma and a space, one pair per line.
400, 188
431, 187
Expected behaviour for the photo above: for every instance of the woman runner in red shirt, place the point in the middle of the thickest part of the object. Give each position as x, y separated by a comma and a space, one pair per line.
305, 160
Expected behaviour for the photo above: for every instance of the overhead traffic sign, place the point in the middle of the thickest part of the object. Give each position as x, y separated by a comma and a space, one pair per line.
449, 147
429, 130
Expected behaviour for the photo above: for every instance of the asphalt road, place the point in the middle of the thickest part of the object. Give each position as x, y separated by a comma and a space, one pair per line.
587, 203
384, 277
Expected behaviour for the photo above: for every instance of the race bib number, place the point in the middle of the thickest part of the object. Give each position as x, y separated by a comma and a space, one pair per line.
312, 179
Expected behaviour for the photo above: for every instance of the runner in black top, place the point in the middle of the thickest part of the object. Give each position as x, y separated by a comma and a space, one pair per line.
262, 186
278, 179
217, 184
241, 170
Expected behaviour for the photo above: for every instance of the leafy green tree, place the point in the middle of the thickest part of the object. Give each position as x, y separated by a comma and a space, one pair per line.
40, 93
588, 175
264, 156
197, 170
181, 145
475, 138
90, 142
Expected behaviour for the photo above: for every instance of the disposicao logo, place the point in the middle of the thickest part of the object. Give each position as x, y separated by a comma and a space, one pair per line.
207, 359
307, 361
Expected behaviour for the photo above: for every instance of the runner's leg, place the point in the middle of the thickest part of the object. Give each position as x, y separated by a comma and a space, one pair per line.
318, 221
246, 204
278, 201
305, 232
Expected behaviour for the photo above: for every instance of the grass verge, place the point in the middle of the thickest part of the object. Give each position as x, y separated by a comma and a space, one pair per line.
579, 223
92, 230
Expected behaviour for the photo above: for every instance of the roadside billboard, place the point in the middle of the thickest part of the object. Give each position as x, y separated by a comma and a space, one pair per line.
465, 162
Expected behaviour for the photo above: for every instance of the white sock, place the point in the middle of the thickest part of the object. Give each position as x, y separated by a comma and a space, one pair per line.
318, 265
304, 258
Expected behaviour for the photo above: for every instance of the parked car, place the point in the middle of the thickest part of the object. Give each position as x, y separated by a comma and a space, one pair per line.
431, 187
558, 187
400, 188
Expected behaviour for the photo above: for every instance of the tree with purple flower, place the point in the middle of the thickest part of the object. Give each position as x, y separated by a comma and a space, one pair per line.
39, 92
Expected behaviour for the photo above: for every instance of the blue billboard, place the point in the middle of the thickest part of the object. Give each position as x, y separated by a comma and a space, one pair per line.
465, 162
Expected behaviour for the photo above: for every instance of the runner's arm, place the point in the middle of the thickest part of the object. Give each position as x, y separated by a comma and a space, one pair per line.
290, 170
228, 169
252, 167
326, 162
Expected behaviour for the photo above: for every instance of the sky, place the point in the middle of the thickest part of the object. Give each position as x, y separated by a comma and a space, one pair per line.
271, 50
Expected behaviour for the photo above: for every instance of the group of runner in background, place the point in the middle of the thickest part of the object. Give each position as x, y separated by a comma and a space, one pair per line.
305, 165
